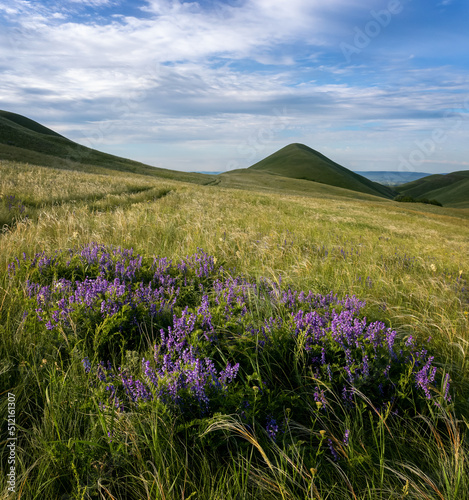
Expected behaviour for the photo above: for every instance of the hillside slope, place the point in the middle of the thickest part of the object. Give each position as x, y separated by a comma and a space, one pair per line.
451, 190
298, 161
253, 180
26, 123
25, 140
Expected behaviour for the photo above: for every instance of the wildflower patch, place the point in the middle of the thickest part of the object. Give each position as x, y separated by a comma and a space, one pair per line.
208, 340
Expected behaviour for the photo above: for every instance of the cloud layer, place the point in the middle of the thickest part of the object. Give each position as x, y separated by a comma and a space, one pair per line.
217, 85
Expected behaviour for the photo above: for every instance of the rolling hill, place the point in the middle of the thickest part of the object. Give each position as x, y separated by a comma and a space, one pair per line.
452, 190
298, 161
295, 168
24, 140
290, 169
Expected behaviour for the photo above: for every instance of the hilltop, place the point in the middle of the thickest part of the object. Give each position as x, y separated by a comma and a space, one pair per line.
452, 190
298, 161
25, 140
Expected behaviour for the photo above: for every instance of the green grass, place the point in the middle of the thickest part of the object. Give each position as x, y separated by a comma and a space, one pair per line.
410, 263
259, 181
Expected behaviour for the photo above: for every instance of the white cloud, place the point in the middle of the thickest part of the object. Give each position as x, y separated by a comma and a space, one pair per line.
189, 75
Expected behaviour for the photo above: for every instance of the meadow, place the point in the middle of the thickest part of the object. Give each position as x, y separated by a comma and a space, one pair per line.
167, 340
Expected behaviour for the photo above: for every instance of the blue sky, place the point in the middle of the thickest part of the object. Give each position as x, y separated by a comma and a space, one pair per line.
216, 85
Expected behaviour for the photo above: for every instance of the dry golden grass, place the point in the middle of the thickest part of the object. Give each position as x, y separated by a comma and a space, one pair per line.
410, 263
43, 185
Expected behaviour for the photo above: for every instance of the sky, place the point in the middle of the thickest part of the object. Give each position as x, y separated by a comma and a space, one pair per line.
218, 85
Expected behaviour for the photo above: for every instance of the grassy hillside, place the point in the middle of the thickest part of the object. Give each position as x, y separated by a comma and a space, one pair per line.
456, 195
280, 428
450, 189
301, 162
25, 140
26, 123
254, 180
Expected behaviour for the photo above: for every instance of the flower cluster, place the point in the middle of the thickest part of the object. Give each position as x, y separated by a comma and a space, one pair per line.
272, 428
197, 317
176, 376
111, 290
13, 204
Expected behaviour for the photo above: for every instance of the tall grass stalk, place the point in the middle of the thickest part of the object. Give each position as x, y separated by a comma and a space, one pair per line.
410, 264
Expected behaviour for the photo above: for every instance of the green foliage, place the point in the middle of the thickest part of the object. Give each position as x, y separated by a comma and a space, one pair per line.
294, 397
408, 199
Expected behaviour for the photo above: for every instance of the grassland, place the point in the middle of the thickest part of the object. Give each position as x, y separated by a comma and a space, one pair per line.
409, 263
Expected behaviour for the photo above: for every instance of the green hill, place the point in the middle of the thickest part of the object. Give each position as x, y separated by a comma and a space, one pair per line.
452, 190
298, 161
290, 169
25, 140
27, 123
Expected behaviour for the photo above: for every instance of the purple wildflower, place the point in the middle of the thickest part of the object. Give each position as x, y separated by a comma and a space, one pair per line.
346, 437
332, 450
86, 365
272, 428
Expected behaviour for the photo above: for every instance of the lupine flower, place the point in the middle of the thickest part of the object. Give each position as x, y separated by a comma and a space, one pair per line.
342, 349
272, 428
346, 436
332, 450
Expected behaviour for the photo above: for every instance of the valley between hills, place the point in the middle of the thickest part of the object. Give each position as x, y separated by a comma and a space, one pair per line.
288, 330
24, 140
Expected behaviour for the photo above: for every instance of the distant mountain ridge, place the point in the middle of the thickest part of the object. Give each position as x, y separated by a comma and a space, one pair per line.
298, 161
391, 177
